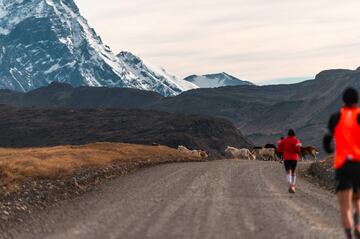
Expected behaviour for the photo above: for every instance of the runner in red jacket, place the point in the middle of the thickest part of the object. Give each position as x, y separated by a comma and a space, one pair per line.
290, 148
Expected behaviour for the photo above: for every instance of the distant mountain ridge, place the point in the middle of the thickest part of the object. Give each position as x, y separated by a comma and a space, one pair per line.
216, 80
264, 113
48, 40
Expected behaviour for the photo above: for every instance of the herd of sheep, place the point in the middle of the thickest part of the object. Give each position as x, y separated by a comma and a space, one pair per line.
268, 152
257, 153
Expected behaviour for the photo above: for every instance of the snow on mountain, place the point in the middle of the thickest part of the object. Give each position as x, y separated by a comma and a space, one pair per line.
42, 41
158, 78
216, 80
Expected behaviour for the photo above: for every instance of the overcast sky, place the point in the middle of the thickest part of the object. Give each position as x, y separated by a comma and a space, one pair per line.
264, 41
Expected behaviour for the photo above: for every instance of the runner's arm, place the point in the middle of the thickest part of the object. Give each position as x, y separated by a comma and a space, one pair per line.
298, 147
334, 120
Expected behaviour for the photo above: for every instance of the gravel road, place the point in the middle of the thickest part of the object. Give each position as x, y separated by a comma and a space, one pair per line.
219, 199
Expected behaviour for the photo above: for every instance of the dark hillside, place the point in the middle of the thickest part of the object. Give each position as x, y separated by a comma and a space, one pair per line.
36, 128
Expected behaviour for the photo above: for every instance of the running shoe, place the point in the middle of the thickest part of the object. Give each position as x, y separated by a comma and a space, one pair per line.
356, 219
356, 225
357, 234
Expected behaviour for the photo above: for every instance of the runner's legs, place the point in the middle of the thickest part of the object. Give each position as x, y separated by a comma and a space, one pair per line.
345, 202
290, 167
293, 173
357, 214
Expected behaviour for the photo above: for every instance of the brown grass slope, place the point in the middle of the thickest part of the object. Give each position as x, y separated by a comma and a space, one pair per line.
19, 165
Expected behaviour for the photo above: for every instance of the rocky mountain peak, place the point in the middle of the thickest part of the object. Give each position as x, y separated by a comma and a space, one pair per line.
48, 40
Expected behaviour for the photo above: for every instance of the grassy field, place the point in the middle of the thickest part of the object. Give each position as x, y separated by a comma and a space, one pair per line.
20, 165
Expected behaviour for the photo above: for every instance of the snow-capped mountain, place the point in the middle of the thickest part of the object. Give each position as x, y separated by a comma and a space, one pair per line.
150, 75
42, 41
216, 80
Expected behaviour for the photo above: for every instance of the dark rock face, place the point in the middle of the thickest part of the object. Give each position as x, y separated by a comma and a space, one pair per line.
35, 128
58, 95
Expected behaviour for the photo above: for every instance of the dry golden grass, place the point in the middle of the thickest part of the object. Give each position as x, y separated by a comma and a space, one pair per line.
19, 165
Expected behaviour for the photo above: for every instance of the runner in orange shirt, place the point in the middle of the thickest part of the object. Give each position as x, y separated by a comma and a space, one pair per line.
344, 127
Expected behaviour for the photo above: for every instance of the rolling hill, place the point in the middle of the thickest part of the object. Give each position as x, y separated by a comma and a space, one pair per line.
28, 127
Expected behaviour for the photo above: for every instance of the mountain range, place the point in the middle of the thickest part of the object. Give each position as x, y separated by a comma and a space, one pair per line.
48, 40
262, 113
265, 113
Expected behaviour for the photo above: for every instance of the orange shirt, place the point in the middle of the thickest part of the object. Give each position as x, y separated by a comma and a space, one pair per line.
347, 137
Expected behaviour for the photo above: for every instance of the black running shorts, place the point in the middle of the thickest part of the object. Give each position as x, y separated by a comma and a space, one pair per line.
348, 177
290, 165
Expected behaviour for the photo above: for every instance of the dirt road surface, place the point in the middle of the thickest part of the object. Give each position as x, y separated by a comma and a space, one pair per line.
220, 199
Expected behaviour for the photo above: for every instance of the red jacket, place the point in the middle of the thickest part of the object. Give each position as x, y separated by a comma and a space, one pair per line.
290, 147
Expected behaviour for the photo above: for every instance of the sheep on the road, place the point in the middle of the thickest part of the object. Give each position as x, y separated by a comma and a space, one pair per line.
197, 153
265, 153
235, 153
